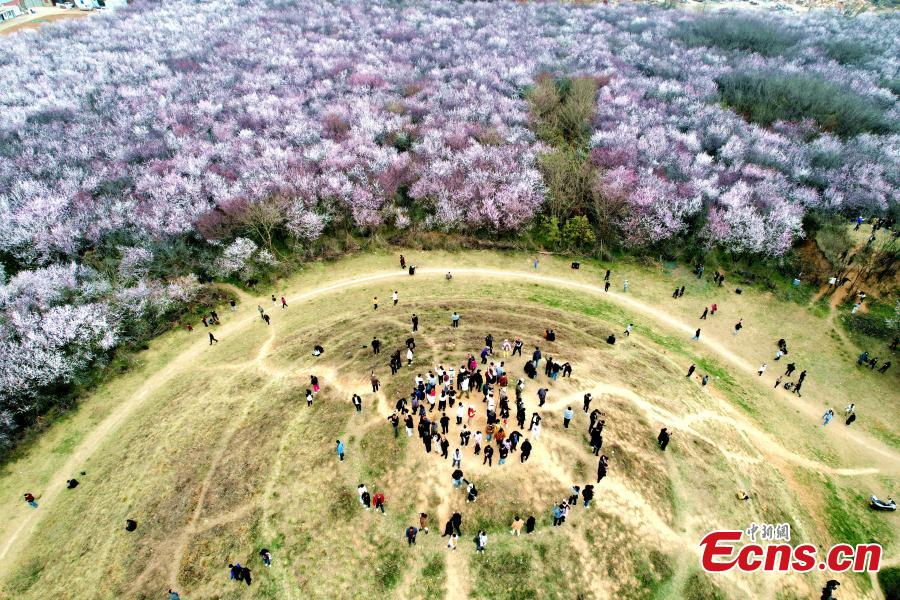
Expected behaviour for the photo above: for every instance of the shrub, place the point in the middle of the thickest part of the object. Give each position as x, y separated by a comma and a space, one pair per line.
882, 321
577, 233
735, 32
848, 52
765, 97
889, 579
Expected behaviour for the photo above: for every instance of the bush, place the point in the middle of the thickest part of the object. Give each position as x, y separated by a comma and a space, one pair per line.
880, 322
577, 233
848, 52
765, 97
735, 32
889, 579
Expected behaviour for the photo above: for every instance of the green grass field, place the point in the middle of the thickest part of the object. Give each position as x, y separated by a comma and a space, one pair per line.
214, 452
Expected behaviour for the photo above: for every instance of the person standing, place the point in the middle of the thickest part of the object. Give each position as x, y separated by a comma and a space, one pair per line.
606, 286
691, 370
535, 262
713, 309
738, 326
411, 535
357, 402
415, 322
606, 277
376, 345
454, 319
696, 335
850, 418
517, 346
378, 501
488, 455
663, 439
790, 369
628, 329
542, 396
395, 297
603, 468
587, 402
340, 450
409, 356
625, 286
402, 262
457, 458
423, 522
267, 319
29, 499
482, 536
762, 369
516, 527
375, 303
376, 384
283, 303
567, 417
529, 524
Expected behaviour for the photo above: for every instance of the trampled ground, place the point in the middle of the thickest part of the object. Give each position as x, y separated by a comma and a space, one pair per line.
214, 452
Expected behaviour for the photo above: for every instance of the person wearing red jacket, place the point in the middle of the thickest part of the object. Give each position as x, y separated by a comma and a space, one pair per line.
378, 501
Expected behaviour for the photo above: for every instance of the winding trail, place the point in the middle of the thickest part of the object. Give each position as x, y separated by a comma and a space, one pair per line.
29, 518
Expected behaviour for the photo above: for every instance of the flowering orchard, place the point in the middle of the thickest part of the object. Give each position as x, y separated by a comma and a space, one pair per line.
230, 126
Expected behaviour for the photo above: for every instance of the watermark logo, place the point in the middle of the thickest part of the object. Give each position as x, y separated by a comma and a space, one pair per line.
728, 549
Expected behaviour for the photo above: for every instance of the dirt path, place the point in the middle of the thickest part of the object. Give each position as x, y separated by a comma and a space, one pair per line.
95, 438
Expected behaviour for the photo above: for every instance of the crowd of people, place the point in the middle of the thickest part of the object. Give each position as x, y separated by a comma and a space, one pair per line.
483, 405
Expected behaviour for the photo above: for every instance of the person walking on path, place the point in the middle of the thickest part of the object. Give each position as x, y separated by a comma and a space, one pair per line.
267, 319
790, 369
526, 451
691, 370
567, 417
738, 326
411, 535
606, 286
826, 418
696, 335
705, 312
603, 468
542, 396
283, 303
628, 329
212, 339
606, 277
850, 418
663, 439
713, 309
415, 322
762, 369
376, 384
29, 499
340, 449
588, 494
